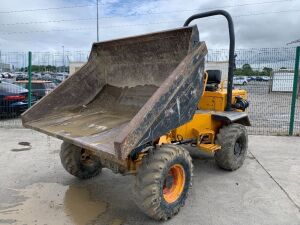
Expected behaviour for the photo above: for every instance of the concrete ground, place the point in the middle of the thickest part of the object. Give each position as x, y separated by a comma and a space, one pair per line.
35, 189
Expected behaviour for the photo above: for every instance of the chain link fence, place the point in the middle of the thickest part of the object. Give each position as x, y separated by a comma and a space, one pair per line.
44, 62
48, 70
267, 74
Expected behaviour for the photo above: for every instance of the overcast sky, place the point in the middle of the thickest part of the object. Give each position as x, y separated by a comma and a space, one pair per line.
258, 23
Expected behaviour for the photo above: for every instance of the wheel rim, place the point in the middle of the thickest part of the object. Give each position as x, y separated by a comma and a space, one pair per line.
174, 183
86, 160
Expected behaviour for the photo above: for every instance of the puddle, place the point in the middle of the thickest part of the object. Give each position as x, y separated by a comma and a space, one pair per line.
79, 206
52, 203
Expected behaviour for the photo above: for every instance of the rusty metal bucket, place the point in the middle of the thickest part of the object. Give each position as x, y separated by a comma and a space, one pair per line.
129, 93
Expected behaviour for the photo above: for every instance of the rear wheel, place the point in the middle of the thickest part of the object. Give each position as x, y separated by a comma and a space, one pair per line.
163, 181
78, 162
234, 143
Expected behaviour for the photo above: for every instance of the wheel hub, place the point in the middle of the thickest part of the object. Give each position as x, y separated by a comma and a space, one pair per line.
86, 159
174, 183
238, 149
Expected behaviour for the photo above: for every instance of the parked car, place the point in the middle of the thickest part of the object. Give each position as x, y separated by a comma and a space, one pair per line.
61, 76
265, 78
240, 81
250, 78
21, 76
13, 98
259, 78
36, 76
56, 81
39, 88
5, 75
46, 76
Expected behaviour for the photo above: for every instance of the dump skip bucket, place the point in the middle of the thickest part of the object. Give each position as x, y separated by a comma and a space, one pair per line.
129, 93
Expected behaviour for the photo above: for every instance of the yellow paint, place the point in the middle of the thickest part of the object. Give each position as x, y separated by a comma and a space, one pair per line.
133, 166
205, 79
201, 122
216, 100
165, 139
202, 127
209, 148
172, 193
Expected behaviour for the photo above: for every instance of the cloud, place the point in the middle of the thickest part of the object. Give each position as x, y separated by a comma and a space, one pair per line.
125, 18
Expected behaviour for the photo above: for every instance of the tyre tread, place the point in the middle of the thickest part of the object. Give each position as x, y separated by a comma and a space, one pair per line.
226, 138
68, 157
146, 194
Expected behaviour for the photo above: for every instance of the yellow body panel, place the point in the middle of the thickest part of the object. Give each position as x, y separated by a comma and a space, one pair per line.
201, 122
202, 127
217, 100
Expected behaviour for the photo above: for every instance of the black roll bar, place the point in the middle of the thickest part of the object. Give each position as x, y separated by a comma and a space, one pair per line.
231, 47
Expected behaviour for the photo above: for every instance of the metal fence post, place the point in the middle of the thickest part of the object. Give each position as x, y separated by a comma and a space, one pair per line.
29, 79
295, 88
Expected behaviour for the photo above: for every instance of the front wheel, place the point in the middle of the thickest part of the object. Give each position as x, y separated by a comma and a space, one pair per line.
163, 181
78, 162
233, 140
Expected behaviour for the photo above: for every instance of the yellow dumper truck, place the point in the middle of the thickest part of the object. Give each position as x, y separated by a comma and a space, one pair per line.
134, 107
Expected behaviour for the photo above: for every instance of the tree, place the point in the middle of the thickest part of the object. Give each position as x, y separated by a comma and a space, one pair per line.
43, 68
246, 70
247, 67
267, 71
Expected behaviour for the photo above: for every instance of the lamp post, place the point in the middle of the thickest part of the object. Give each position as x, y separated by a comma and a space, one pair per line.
97, 21
0, 62
63, 58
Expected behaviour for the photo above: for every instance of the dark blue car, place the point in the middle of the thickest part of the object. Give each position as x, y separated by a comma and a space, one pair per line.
13, 99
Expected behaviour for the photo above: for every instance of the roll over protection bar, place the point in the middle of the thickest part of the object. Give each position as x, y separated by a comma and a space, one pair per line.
231, 47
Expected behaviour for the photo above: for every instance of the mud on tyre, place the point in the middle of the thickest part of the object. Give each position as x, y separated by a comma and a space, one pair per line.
163, 181
233, 139
78, 162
